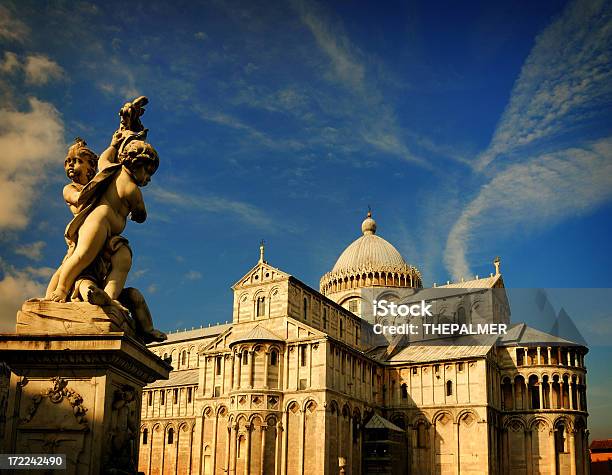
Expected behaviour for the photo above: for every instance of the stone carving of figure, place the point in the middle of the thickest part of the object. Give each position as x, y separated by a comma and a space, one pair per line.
124, 432
98, 260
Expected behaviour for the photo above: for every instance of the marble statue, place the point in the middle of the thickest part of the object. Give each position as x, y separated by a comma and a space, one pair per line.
99, 258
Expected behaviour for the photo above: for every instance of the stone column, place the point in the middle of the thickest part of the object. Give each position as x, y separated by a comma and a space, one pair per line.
553, 452
541, 391
572, 451
263, 429
283, 470
538, 355
247, 442
457, 448
279, 448
233, 448
266, 364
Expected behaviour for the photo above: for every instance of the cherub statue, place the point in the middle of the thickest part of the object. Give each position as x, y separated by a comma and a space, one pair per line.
80, 165
103, 207
99, 259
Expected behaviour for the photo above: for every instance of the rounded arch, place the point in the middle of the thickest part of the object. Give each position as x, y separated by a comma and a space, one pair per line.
256, 416
290, 403
308, 400
537, 421
563, 420
346, 409
441, 414
467, 412
515, 422
221, 409
144, 426
207, 411
334, 407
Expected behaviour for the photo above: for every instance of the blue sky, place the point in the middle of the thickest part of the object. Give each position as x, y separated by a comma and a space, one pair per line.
472, 131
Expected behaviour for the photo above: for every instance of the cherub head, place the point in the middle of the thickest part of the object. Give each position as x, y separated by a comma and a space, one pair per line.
81, 163
141, 160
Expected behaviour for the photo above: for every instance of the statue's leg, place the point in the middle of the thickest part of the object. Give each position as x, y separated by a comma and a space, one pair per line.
52, 284
92, 236
134, 300
121, 263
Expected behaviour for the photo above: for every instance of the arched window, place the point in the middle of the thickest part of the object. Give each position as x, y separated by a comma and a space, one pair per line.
171, 435
341, 329
163, 397
560, 439
305, 308
150, 398
303, 355
261, 306
245, 357
421, 435
273, 358
404, 389
183, 358
449, 388
461, 316
175, 396
145, 437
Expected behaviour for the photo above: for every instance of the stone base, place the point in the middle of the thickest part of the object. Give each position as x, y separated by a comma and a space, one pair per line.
43, 316
76, 394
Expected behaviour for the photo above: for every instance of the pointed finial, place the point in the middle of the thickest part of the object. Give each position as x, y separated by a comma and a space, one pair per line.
497, 264
261, 251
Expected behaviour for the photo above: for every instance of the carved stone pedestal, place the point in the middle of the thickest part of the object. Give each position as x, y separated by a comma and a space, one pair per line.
77, 394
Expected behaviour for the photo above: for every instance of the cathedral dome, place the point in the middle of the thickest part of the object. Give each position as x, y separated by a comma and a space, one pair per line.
369, 261
369, 252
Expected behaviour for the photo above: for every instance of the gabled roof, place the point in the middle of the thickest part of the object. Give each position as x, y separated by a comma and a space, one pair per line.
194, 334
379, 422
442, 349
186, 377
260, 273
258, 333
485, 283
521, 334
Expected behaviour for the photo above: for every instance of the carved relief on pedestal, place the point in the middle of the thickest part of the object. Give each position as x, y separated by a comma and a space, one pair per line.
122, 453
54, 422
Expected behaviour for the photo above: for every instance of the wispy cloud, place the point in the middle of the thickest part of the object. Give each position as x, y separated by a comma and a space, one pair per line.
10, 64
373, 119
246, 212
563, 82
31, 251
11, 28
193, 275
532, 195
40, 69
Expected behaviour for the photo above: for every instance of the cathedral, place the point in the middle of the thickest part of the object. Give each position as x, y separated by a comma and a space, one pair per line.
299, 383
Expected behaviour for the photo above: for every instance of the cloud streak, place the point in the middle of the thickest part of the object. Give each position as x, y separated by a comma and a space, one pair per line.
563, 84
538, 193
246, 212
565, 78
